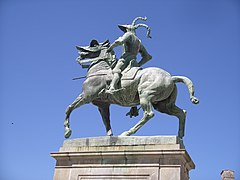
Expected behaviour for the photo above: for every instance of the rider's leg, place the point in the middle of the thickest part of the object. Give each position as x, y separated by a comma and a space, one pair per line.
116, 77
116, 74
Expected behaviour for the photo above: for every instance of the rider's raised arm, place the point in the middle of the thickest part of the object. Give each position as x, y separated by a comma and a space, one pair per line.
145, 56
120, 41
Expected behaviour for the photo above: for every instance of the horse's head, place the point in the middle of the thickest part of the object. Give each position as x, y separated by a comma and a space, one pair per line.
92, 53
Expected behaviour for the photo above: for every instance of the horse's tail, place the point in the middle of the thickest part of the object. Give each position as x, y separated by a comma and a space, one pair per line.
189, 85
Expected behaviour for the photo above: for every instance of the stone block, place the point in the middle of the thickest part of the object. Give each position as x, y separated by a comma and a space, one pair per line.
128, 158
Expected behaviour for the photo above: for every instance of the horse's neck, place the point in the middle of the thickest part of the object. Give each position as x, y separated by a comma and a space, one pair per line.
99, 66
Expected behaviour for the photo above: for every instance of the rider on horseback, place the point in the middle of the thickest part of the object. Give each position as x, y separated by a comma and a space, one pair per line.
131, 47
151, 87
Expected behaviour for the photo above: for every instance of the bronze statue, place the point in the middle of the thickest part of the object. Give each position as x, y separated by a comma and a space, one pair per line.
149, 87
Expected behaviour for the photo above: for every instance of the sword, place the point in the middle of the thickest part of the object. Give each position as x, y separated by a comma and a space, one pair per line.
81, 77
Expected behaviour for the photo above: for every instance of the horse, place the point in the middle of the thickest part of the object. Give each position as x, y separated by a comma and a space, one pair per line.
150, 88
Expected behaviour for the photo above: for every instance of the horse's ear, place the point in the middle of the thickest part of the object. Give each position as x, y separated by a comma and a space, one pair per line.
93, 43
106, 43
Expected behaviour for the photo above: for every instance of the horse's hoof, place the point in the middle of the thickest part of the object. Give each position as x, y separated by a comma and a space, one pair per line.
109, 133
185, 112
194, 100
126, 133
67, 133
180, 135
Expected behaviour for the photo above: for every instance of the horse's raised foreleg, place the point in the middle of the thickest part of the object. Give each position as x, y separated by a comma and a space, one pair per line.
79, 101
148, 114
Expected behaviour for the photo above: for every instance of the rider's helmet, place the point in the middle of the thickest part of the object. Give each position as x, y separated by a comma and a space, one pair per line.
132, 27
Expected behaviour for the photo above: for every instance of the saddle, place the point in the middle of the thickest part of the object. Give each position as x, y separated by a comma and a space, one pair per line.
126, 81
131, 70
129, 74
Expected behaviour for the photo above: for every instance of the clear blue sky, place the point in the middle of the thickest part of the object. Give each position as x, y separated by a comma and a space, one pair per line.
199, 39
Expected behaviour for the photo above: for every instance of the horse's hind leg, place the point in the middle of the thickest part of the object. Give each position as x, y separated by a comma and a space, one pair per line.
145, 102
181, 115
105, 113
79, 101
168, 106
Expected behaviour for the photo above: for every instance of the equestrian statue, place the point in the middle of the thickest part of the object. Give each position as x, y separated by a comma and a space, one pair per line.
123, 82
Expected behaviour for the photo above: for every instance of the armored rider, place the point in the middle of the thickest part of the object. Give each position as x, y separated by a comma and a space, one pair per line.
131, 47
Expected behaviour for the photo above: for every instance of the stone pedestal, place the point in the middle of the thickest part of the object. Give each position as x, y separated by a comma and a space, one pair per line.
128, 158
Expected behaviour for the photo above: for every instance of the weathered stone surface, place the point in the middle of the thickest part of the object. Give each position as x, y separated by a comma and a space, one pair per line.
227, 175
125, 158
122, 141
